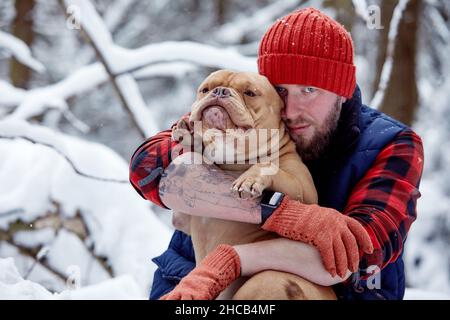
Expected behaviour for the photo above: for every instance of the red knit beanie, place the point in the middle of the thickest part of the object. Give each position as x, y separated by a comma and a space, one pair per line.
308, 48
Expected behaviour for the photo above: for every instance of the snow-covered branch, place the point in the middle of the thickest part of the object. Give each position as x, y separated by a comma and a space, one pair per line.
16, 129
389, 62
34, 102
162, 59
29, 253
120, 223
20, 51
233, 31
117, 13
361, 9
122, 66
199, 54
122, 60
35, 238
96, 33
439, 23
112, 57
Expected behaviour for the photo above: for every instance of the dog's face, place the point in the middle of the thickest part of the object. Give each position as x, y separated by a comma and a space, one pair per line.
233, 103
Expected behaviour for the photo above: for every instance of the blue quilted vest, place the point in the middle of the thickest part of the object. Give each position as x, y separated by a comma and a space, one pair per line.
361, 134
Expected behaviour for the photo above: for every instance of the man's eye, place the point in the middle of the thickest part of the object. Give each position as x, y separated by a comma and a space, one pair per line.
249, 93
281, 91
204, 90
309, 90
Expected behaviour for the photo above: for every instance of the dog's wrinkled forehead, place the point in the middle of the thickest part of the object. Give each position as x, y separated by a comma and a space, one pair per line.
239, 81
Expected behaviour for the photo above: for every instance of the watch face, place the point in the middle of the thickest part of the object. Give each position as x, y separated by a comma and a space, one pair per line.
272, 198
269, 203
275, 199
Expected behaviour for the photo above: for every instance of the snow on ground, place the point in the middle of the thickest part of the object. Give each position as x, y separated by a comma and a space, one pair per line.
13, 286
121, 225
417, 294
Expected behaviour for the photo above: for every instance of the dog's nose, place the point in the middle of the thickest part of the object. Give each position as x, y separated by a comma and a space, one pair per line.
221, 92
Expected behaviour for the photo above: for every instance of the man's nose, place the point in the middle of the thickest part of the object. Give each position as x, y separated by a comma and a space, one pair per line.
221, 92
291, 111
288, 121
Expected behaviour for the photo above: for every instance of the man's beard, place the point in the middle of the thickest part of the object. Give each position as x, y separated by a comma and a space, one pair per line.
316, 147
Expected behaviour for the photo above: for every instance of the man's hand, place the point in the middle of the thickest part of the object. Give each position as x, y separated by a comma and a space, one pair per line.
337, 237
215, 273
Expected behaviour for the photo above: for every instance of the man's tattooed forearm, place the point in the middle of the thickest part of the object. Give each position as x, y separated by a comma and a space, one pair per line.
203, 186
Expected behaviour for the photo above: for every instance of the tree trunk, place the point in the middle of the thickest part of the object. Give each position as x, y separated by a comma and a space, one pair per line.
401, 95
221, 7
345, 14
22, 28
386, 10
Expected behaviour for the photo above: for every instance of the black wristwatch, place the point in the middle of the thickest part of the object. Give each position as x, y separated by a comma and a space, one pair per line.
269, 202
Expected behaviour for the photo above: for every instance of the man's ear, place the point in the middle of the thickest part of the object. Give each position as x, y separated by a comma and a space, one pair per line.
343, 100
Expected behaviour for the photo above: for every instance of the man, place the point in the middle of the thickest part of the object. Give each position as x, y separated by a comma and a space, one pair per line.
366, 168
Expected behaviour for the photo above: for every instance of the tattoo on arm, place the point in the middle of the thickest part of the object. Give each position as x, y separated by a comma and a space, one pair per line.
205, 190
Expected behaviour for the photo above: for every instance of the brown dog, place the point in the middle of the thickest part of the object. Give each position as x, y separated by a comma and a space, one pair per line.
235, 106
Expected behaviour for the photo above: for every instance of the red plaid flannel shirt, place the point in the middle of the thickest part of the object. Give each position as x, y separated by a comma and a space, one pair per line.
384, 200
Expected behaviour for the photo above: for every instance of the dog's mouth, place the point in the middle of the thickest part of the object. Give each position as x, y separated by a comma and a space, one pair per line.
214, 115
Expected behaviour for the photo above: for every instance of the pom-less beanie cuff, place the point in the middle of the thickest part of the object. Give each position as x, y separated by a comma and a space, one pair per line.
322, 73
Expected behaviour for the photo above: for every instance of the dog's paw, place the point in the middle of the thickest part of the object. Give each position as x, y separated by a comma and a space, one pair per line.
250, 186
181, 131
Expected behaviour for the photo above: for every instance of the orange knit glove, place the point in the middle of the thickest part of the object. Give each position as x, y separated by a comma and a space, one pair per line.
335, 235
216, 272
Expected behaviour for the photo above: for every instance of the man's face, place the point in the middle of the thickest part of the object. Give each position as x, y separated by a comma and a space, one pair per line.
311, 116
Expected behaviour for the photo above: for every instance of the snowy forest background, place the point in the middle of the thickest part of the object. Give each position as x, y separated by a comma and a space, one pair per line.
83, 83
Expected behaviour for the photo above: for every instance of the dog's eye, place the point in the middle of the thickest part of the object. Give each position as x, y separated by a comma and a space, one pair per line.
249, 93
204, 90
